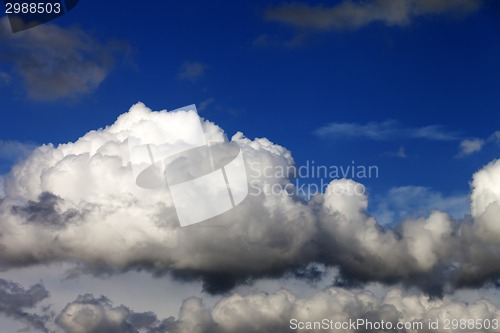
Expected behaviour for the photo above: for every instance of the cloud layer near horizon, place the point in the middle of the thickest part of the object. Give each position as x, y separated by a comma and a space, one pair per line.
249, 313
78, 202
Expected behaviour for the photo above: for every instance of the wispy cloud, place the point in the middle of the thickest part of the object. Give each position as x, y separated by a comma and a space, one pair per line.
192, 70
381, 131
266, 40
204, 104
56, 63
469, 146
495, 137
4, 78
401, 153
474, 145
354, 15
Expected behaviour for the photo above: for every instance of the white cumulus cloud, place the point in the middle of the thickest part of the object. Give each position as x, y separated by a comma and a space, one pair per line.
79, 203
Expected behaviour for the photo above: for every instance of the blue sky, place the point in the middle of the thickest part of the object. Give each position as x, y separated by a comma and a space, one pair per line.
436, 70
411, 87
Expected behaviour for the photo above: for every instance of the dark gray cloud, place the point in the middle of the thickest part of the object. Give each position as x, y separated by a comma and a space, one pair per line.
357, 14
15, 301
56, 63
46, 211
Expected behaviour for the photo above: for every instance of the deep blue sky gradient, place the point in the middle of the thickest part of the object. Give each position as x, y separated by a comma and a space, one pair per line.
439, 70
